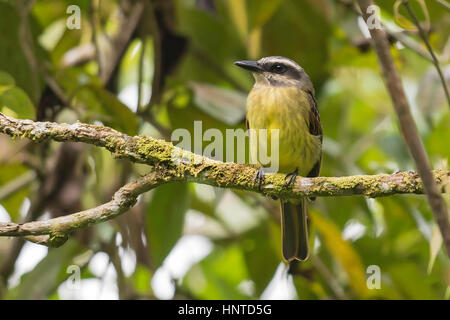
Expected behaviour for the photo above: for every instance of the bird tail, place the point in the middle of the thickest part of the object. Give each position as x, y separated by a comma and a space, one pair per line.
294, 231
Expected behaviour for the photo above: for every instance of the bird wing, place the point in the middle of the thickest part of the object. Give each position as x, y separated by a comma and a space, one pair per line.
315, 128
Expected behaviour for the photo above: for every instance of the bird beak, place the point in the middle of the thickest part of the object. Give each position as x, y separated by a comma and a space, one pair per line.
249, 65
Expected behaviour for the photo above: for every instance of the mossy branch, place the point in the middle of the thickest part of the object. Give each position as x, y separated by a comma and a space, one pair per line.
167, 167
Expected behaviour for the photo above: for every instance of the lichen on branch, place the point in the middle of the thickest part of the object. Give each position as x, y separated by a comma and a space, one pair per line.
166, 168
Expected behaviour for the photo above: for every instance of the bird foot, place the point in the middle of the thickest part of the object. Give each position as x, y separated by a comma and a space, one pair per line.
291, 177
259, 178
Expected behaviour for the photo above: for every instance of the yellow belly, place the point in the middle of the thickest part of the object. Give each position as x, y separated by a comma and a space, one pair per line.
285, 109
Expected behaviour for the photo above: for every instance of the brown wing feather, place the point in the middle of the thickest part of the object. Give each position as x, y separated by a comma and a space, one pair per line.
315, 128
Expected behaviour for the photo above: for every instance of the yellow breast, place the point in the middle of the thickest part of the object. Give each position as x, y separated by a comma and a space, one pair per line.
287, 110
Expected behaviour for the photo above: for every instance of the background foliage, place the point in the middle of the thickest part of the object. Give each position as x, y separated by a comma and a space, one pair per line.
191, 241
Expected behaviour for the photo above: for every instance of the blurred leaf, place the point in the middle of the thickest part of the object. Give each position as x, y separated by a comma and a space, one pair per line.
401, 20
213, 35
68, 40
404, 22
225, 105
218, 275
431, 96
435, 246
50, 10
309, 290
129, 66
105, 164
215, 44
262, 253
184, 115
12, 204
48, 274
343, 252
6, 81
300, 31
260, 12
53, 34
108, 108
410, 280
142, 277
14, 102
12, 56
238, 15
165, 219
439, 137
73, 79
254, 43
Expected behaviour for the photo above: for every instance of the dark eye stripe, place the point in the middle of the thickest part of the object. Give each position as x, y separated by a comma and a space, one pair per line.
278, 68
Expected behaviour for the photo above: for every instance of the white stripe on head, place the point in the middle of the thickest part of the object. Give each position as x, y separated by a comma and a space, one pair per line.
282, 60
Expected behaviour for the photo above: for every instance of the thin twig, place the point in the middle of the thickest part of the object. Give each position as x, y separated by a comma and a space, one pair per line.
93, 9
407, 125
409, 43
443, 3
140, 73
58, 228
400, 36
157, 49
330, 279
424, 37
117, 45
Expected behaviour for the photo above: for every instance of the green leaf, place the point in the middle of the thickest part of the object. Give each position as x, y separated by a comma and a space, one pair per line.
343, 252
12, 204
184, 116
165, 219
6, 80
15, 103
142, 277
262, 251
44, 279
412, 282
129, 65
218, 275
301, 31
108, 108
260, 12
12, 56
225, 105
216, 42
238, 14
435, 246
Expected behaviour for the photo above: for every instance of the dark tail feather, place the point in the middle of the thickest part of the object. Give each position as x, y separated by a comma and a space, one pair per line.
294, 231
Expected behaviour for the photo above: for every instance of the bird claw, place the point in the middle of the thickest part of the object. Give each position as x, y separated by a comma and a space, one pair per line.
259, 178
291, 177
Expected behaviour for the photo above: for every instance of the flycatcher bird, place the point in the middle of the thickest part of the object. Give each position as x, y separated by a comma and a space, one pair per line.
283, 98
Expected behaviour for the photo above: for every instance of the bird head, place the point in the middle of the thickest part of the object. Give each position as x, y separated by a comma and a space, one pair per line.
277, 71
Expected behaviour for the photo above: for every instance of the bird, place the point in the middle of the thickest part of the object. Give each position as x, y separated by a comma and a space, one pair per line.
283, 98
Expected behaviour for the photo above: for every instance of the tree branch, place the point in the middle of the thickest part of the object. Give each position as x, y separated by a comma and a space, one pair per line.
435, 60
407, 125
54, 232
167, 167
115, 49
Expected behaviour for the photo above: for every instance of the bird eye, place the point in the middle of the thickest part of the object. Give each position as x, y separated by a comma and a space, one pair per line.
278, 68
